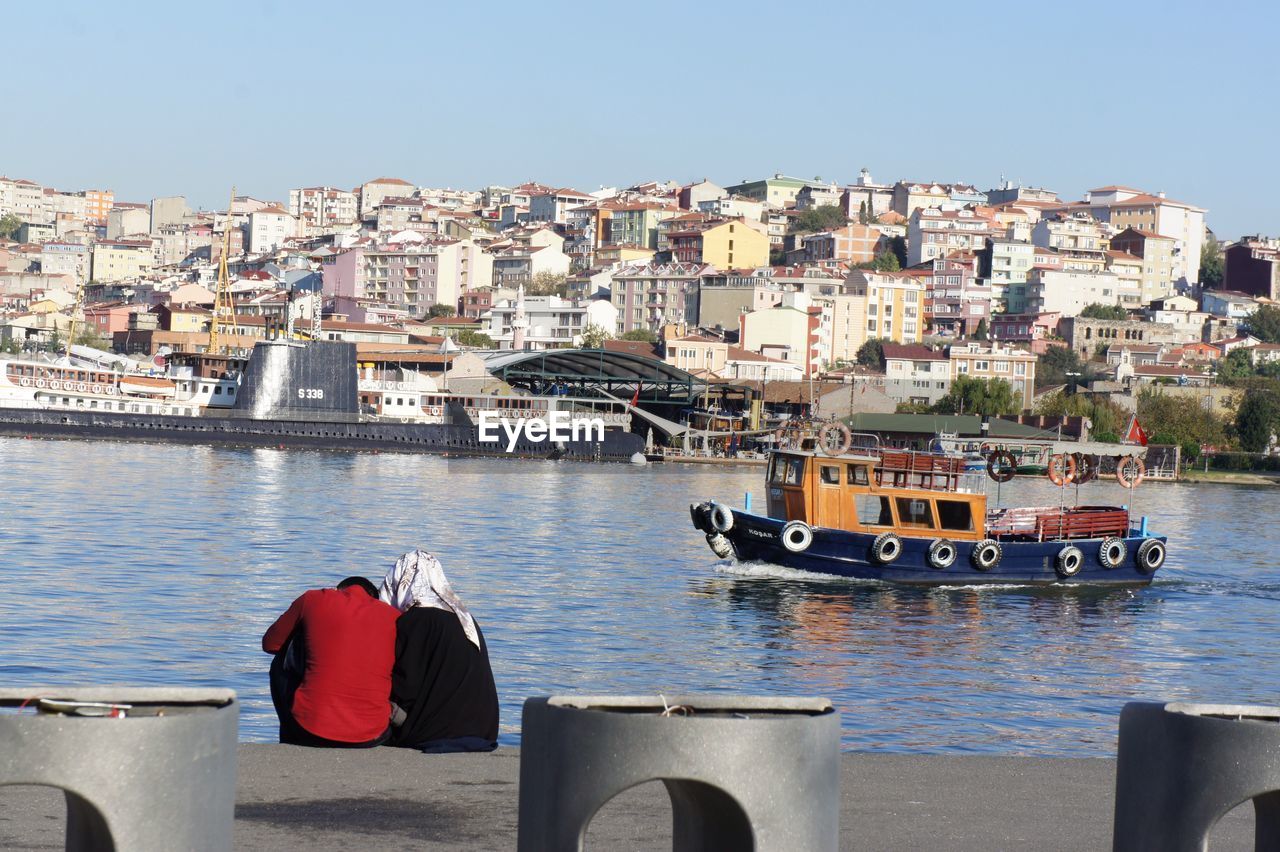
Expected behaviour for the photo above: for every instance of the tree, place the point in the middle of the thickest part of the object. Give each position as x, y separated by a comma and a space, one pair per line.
871, 353
594, 336
1211, 264
1258, 418
885, 261
1055, 365
1237, 365
988, 397
1169, 419
1264, 323
641, 335
1104, 312
442, 310
1106, 418
9, 225
899, 248
980, 333
862, 213
821, 218
475, 339
546, 284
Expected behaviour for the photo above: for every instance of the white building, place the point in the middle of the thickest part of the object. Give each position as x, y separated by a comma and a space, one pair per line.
269, 228
321, 209
549, 322
1125, 207
1069, 291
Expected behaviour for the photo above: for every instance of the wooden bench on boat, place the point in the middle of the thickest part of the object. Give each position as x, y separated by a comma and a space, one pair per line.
1059, 523
902, 469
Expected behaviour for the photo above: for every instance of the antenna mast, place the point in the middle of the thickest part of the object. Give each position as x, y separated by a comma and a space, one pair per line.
224, 312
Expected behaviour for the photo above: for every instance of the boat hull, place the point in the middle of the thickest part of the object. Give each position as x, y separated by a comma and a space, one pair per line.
848, 554
436, 438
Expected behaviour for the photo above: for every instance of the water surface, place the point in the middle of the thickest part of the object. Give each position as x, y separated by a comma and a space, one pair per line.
159, 564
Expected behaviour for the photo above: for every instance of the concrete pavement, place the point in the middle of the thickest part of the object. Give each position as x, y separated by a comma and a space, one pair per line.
297, 798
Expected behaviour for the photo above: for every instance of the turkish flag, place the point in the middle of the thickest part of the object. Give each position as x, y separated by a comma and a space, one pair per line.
636, 398
1135, 435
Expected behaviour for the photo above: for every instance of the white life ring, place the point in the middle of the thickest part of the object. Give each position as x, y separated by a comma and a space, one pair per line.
435, 410
111, 390
55, 385
81, 387
25, 382
40, 383
97, 388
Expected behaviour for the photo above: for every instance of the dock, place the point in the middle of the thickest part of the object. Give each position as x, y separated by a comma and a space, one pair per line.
291, 797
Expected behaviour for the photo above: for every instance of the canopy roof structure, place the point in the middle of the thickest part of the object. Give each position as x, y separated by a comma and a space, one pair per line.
587, 372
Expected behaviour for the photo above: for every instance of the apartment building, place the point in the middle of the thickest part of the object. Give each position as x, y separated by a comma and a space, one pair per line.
121, 260
1081, 241
651, 296
890, 305
1125, 207
1158, 253
269, 228
319, 209
1252, 266
934, 233
549, 322
993, 361
724, 244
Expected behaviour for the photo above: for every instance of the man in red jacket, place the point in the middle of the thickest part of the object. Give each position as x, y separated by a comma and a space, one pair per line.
331, 677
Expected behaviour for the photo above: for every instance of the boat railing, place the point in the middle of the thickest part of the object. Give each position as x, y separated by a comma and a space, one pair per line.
927, 471
1058, 523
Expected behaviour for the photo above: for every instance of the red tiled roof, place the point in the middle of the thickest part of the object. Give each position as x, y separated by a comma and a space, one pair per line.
912, 352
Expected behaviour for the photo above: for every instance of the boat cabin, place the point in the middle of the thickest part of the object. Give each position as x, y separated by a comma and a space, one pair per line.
911, 494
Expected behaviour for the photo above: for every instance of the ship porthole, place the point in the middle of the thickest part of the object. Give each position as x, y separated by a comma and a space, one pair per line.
1069, 561
796, 536
942, 554
1112, 552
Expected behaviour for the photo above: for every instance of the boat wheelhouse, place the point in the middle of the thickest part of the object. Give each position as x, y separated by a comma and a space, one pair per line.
921, 518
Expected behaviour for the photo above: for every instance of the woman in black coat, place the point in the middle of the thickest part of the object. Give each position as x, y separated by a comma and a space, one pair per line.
441, 681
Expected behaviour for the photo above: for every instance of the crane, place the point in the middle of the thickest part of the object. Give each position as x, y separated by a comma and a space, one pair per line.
224, 313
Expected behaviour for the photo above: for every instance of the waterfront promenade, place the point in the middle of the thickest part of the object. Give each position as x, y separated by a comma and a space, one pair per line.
291, 797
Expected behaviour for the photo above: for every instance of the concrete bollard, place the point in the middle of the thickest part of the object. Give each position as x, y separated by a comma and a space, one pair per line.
160, 775
743, 772
1181, 767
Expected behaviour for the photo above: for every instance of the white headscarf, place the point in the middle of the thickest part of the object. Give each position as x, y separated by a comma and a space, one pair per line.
418, 580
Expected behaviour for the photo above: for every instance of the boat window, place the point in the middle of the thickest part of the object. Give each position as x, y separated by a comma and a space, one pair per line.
830, 474
955, 515
795, 471
873, 510
914, 512
857, 474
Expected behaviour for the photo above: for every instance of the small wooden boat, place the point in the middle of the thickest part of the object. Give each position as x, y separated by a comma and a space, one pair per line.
921, 518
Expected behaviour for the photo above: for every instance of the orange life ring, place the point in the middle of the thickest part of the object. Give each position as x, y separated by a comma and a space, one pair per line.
843, 438
1061, 468
1127, 479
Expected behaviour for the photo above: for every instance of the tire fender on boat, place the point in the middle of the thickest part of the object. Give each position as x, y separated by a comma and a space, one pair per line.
698, 514
1002, 466
796, 536
1112, 552
1129, 471
1069, 561
986, 554
1061, 468
1151, 555
721, 517
886, 548
942, 554
720, 545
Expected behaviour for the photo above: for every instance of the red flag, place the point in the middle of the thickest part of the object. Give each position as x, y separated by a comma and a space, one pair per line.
635, 399
1135, 435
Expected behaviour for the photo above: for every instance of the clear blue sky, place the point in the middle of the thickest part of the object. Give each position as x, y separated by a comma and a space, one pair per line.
177, 98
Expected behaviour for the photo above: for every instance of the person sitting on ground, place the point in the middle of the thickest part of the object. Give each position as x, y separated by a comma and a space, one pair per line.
441, 682
331, 676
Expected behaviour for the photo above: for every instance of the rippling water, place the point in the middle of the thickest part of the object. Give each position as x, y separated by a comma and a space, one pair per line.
156, 564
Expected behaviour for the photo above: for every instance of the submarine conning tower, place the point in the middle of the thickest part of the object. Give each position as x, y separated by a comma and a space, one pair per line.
291, 380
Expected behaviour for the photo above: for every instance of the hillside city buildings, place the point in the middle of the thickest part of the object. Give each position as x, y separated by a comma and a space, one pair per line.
733, 281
